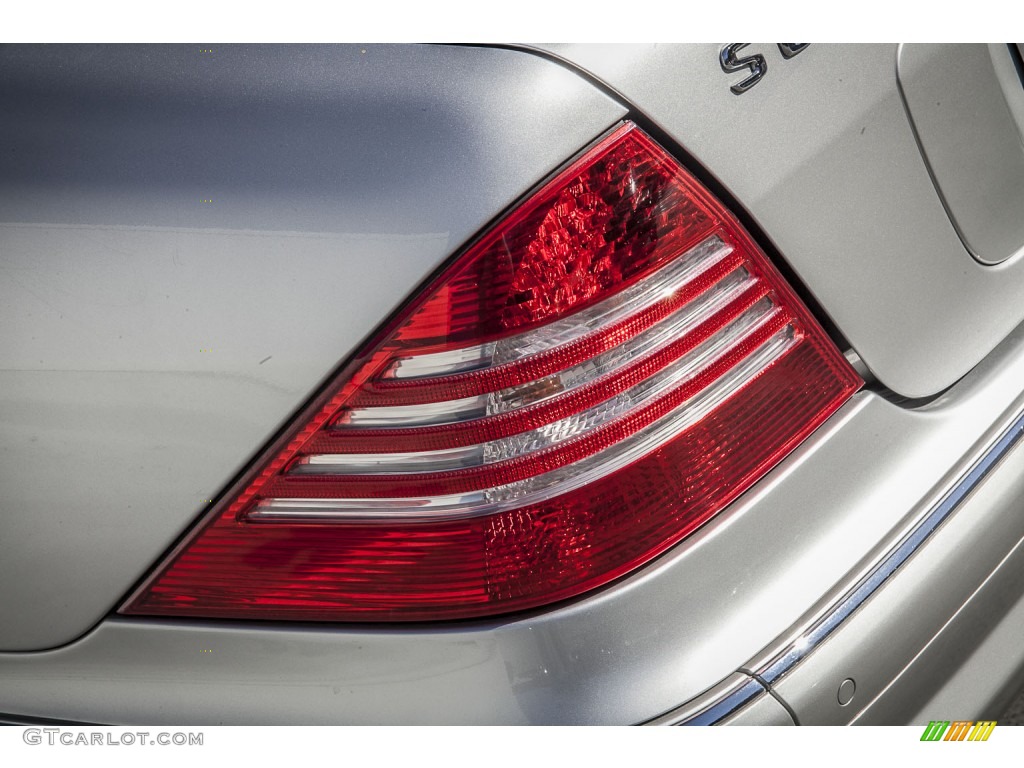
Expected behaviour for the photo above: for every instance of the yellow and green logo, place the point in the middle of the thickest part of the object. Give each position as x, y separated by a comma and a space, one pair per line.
958, 730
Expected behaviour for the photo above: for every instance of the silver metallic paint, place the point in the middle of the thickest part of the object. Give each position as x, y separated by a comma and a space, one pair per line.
924, 626
816, 634
822, 156
989, 627
152, 342
765, 710
628, 653
737, 700
963, 115
658, 638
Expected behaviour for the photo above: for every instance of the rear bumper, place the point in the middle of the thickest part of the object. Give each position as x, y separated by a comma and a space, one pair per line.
931, 630
941, 636
695, 622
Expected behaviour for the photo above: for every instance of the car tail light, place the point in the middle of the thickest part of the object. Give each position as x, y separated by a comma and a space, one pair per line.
598, 375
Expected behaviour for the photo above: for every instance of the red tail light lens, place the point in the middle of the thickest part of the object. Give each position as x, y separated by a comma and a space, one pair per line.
603, 371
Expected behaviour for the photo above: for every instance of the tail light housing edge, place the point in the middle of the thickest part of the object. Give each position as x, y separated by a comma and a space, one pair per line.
599, 374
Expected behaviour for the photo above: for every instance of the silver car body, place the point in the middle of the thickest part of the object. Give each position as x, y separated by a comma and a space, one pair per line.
191, 242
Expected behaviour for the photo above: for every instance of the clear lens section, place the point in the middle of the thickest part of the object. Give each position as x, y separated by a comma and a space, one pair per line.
391, 463
443, 363
646, 343
550, 484
419, 415
684, 369
524, 443
593, 379
649, 342
611, 311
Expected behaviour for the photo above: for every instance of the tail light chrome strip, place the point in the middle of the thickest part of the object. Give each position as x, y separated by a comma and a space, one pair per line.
645, 343
684, 369
640, 296
623, 361
539, 487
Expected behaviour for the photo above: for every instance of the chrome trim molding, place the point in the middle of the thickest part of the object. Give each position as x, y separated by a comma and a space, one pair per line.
714, 705
713, 709
718, 711
826, 624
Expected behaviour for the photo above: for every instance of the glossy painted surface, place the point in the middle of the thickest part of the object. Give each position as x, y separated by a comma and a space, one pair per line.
766, 710
987, 471
81, 410
656, 639
822, 155
917, 631
969, 136
150, 342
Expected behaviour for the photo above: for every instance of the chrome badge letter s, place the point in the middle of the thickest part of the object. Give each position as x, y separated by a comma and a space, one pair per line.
730, 63
756, 63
